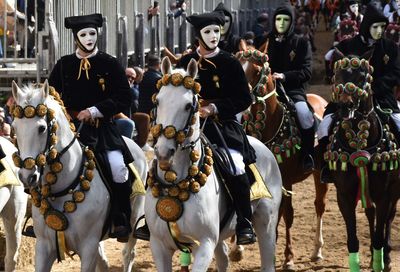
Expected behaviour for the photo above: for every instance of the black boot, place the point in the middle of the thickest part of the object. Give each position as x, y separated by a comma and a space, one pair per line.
121, 211
143, 232
325, 175
328, 72
307, 149
240, 190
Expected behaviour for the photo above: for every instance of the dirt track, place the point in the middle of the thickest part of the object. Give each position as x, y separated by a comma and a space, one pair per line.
335, 250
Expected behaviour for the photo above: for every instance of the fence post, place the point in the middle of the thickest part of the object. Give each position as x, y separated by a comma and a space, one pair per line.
122, 41
103, 36
139, 41
170, 41
183, 40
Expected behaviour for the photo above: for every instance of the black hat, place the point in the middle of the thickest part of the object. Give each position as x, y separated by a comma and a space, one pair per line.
77, 23
202, 20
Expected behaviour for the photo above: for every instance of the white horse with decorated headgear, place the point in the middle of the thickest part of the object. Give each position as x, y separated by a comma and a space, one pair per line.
12, 205
70, 201
186, 206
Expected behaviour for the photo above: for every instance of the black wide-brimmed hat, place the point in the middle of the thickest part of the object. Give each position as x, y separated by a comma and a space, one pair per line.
202, 20
77, 23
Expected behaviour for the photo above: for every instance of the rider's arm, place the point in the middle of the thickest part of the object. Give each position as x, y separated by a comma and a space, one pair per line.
302, 59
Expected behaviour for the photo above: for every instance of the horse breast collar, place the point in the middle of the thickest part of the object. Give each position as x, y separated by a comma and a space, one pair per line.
171, 193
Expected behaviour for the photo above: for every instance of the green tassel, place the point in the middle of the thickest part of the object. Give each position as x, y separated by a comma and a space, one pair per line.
298, 147
377, 260
383, 167
278, 158
363, 187
354, 262
330, 165
374, 166
343, 167
334, 165
391, 165
185, 258
287, 153
294, 150
396, 164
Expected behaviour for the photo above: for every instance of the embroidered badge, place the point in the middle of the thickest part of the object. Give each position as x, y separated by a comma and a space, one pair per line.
292, 55
386, 59
102, 84
216, 80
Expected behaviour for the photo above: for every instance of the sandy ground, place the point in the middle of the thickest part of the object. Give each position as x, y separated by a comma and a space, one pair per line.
335, 250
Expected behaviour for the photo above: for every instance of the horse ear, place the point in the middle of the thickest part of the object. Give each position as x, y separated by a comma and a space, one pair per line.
173, 58
166, 66
15, 90
264, 47
46, 89
192, 68
337, 55
242, 45
367, 55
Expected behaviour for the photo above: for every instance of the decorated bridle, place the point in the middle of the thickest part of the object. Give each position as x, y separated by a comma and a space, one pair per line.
173, 192
41, 193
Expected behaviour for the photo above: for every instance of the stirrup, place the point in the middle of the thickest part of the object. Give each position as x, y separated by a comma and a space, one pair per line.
28, 230
143, 232
308, 163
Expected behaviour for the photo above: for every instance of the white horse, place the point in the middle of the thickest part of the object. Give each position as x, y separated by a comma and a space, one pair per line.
13, 201
51, 161
202, 208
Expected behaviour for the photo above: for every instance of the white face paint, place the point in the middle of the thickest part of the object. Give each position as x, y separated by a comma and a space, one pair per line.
226, 26
88, 38
282, 23
376, 30
354, 8
211, 35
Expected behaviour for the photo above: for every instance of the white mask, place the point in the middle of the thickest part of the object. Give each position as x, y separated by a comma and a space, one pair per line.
376, 30
398, 3
88, 38
282, 23
211, 35
226, 26
354, 8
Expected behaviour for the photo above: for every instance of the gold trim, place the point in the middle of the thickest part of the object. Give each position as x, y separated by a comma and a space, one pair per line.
137, 186
7, 177
258, 189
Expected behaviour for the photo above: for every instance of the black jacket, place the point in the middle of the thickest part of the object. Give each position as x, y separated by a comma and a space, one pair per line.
291, 56
231, 42
107, 89
147, 88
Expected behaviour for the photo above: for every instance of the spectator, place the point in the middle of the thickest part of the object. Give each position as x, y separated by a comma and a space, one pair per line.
5, 128
248, 37
392, 11
261, 25
147, 88
178, 7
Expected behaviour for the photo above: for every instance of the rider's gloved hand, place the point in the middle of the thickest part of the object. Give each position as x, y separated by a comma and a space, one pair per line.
208, 110
278, 76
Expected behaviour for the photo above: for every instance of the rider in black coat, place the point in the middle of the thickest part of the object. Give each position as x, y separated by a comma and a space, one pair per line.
290, 59
386, 64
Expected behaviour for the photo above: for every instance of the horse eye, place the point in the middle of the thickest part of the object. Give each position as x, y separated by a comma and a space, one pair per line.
42, 129
188, 106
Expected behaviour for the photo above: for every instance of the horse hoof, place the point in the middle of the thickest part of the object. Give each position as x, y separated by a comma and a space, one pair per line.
388, 268
289, 266
236, 255
316, 259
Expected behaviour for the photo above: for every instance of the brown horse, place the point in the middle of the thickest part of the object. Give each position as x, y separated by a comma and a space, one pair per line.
272, 122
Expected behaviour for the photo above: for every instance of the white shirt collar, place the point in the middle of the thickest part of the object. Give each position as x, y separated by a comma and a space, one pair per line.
213, 54
89, 56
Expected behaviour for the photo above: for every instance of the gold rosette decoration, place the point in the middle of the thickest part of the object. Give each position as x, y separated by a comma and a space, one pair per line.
165, 79
89, 174
184, 184
183, 195
202, 178
51, 178
90, 165
188, 82
89, 154
29, 111
29, 163
56, 167
180, 137
170, 176
52, 114
41, 110
78, 196
196, 87
46, 190
53, 139
150, 181
17, 160
156, 130
169, 208
159, 84
173, 191
193, 170
155, 191
54, 128
69, 206
85, 185
209, 160
194, 155
170, 132
207, 169
53, 154
176, 79
41, 160
18, 112
56, 220
195, 187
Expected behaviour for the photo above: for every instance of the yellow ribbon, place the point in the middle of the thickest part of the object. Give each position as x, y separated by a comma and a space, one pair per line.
85, 65
205, 59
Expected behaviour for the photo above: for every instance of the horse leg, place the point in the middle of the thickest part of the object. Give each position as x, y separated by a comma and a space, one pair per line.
13, 216
221, 256
203, 254
266, 229
162, 255
346, 201
388, 233
288, 212
45, 254
92, 256
102, 262
321, 191
370, 214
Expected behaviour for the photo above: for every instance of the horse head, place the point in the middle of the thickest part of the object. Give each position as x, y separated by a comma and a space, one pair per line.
256, 68
352, 84
36, 121
347, 29
175, 113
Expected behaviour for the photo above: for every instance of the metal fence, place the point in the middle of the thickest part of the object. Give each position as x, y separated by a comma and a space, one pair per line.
127, 31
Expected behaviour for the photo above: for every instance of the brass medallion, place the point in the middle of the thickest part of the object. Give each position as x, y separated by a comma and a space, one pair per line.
169, 209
